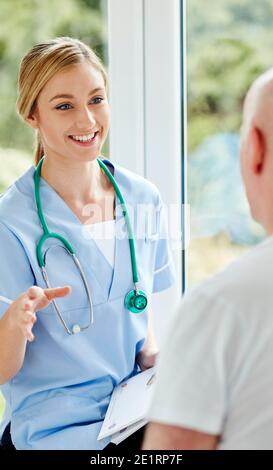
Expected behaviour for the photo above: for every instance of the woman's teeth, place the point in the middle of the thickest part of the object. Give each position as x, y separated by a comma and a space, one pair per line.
84, 138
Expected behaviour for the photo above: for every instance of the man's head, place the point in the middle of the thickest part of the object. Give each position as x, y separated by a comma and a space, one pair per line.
256, 150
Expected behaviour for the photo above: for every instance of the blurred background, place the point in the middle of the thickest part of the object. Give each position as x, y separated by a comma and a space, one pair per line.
226, 51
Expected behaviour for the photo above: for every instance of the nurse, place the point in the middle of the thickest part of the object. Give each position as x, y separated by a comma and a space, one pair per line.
64, 349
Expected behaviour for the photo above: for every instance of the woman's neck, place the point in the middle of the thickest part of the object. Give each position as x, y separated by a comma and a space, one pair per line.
80, 182
84, 187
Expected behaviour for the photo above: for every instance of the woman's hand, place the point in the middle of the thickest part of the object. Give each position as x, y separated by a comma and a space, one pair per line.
146, 358
22, 310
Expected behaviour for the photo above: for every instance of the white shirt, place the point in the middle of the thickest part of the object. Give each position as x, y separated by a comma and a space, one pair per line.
216, 368
103, 233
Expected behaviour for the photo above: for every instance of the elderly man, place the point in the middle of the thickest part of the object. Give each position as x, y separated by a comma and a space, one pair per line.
215, 380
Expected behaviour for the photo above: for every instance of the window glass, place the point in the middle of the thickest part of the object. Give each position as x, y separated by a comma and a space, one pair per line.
226, 51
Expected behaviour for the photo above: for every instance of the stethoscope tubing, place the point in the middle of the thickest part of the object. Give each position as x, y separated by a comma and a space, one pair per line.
135, 300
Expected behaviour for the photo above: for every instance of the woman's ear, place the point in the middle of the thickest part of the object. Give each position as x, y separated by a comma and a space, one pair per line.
32, 121
256, 150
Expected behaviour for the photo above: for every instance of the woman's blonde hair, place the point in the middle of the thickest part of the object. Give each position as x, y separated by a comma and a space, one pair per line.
40, 64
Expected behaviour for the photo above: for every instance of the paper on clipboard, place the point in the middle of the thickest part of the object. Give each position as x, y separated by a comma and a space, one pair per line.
128, 406
126, 432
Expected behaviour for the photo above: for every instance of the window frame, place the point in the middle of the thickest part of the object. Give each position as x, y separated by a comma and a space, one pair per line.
137, 48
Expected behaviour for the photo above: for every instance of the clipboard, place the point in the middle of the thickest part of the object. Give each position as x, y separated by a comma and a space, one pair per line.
128, 407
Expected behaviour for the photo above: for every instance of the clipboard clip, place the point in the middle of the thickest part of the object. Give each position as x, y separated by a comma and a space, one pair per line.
151, 380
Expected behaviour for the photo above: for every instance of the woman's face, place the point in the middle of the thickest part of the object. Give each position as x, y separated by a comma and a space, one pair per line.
83, 113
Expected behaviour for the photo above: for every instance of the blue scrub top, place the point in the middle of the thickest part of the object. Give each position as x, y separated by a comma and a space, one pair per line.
59, 398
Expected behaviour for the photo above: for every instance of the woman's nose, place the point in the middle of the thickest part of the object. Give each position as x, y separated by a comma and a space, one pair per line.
86, 118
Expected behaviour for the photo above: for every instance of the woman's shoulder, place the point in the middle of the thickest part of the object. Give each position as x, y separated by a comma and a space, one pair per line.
136, 185
18, 197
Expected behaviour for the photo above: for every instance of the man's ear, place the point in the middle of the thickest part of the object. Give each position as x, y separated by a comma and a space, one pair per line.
256, 150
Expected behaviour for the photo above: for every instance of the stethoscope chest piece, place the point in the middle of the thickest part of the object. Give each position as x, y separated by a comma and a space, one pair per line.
136, 301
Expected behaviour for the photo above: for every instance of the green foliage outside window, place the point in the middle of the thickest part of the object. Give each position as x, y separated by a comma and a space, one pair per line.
229, 45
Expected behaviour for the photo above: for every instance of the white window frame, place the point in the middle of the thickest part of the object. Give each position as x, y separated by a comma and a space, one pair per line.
145, 75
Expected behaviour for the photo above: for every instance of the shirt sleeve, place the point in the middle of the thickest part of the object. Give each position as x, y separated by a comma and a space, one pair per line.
164, 270
191, 388
16, 275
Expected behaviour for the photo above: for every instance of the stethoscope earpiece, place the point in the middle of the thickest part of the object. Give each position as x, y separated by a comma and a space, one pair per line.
136, 301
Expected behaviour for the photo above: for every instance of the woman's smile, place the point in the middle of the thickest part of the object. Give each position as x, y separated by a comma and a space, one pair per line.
85, 141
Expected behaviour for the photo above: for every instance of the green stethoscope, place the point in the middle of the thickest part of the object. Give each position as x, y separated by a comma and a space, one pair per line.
135, 301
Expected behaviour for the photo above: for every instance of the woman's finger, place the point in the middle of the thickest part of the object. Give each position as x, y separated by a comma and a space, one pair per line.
37, 298
34, 292
27, 305
57, 292
29, 317
29, 334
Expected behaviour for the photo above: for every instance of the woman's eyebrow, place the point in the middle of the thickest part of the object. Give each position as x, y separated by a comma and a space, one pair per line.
65, 95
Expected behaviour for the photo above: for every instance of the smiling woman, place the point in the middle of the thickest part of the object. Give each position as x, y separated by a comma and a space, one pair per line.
81, 121
88, 138
60, 358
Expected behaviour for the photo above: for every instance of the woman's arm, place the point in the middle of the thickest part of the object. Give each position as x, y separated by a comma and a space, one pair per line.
16, 327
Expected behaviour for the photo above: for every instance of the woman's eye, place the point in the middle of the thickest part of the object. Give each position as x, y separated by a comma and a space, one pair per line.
61, 106
96, 100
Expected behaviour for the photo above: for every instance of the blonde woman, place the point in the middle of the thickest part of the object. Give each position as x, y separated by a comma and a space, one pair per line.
68, 221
